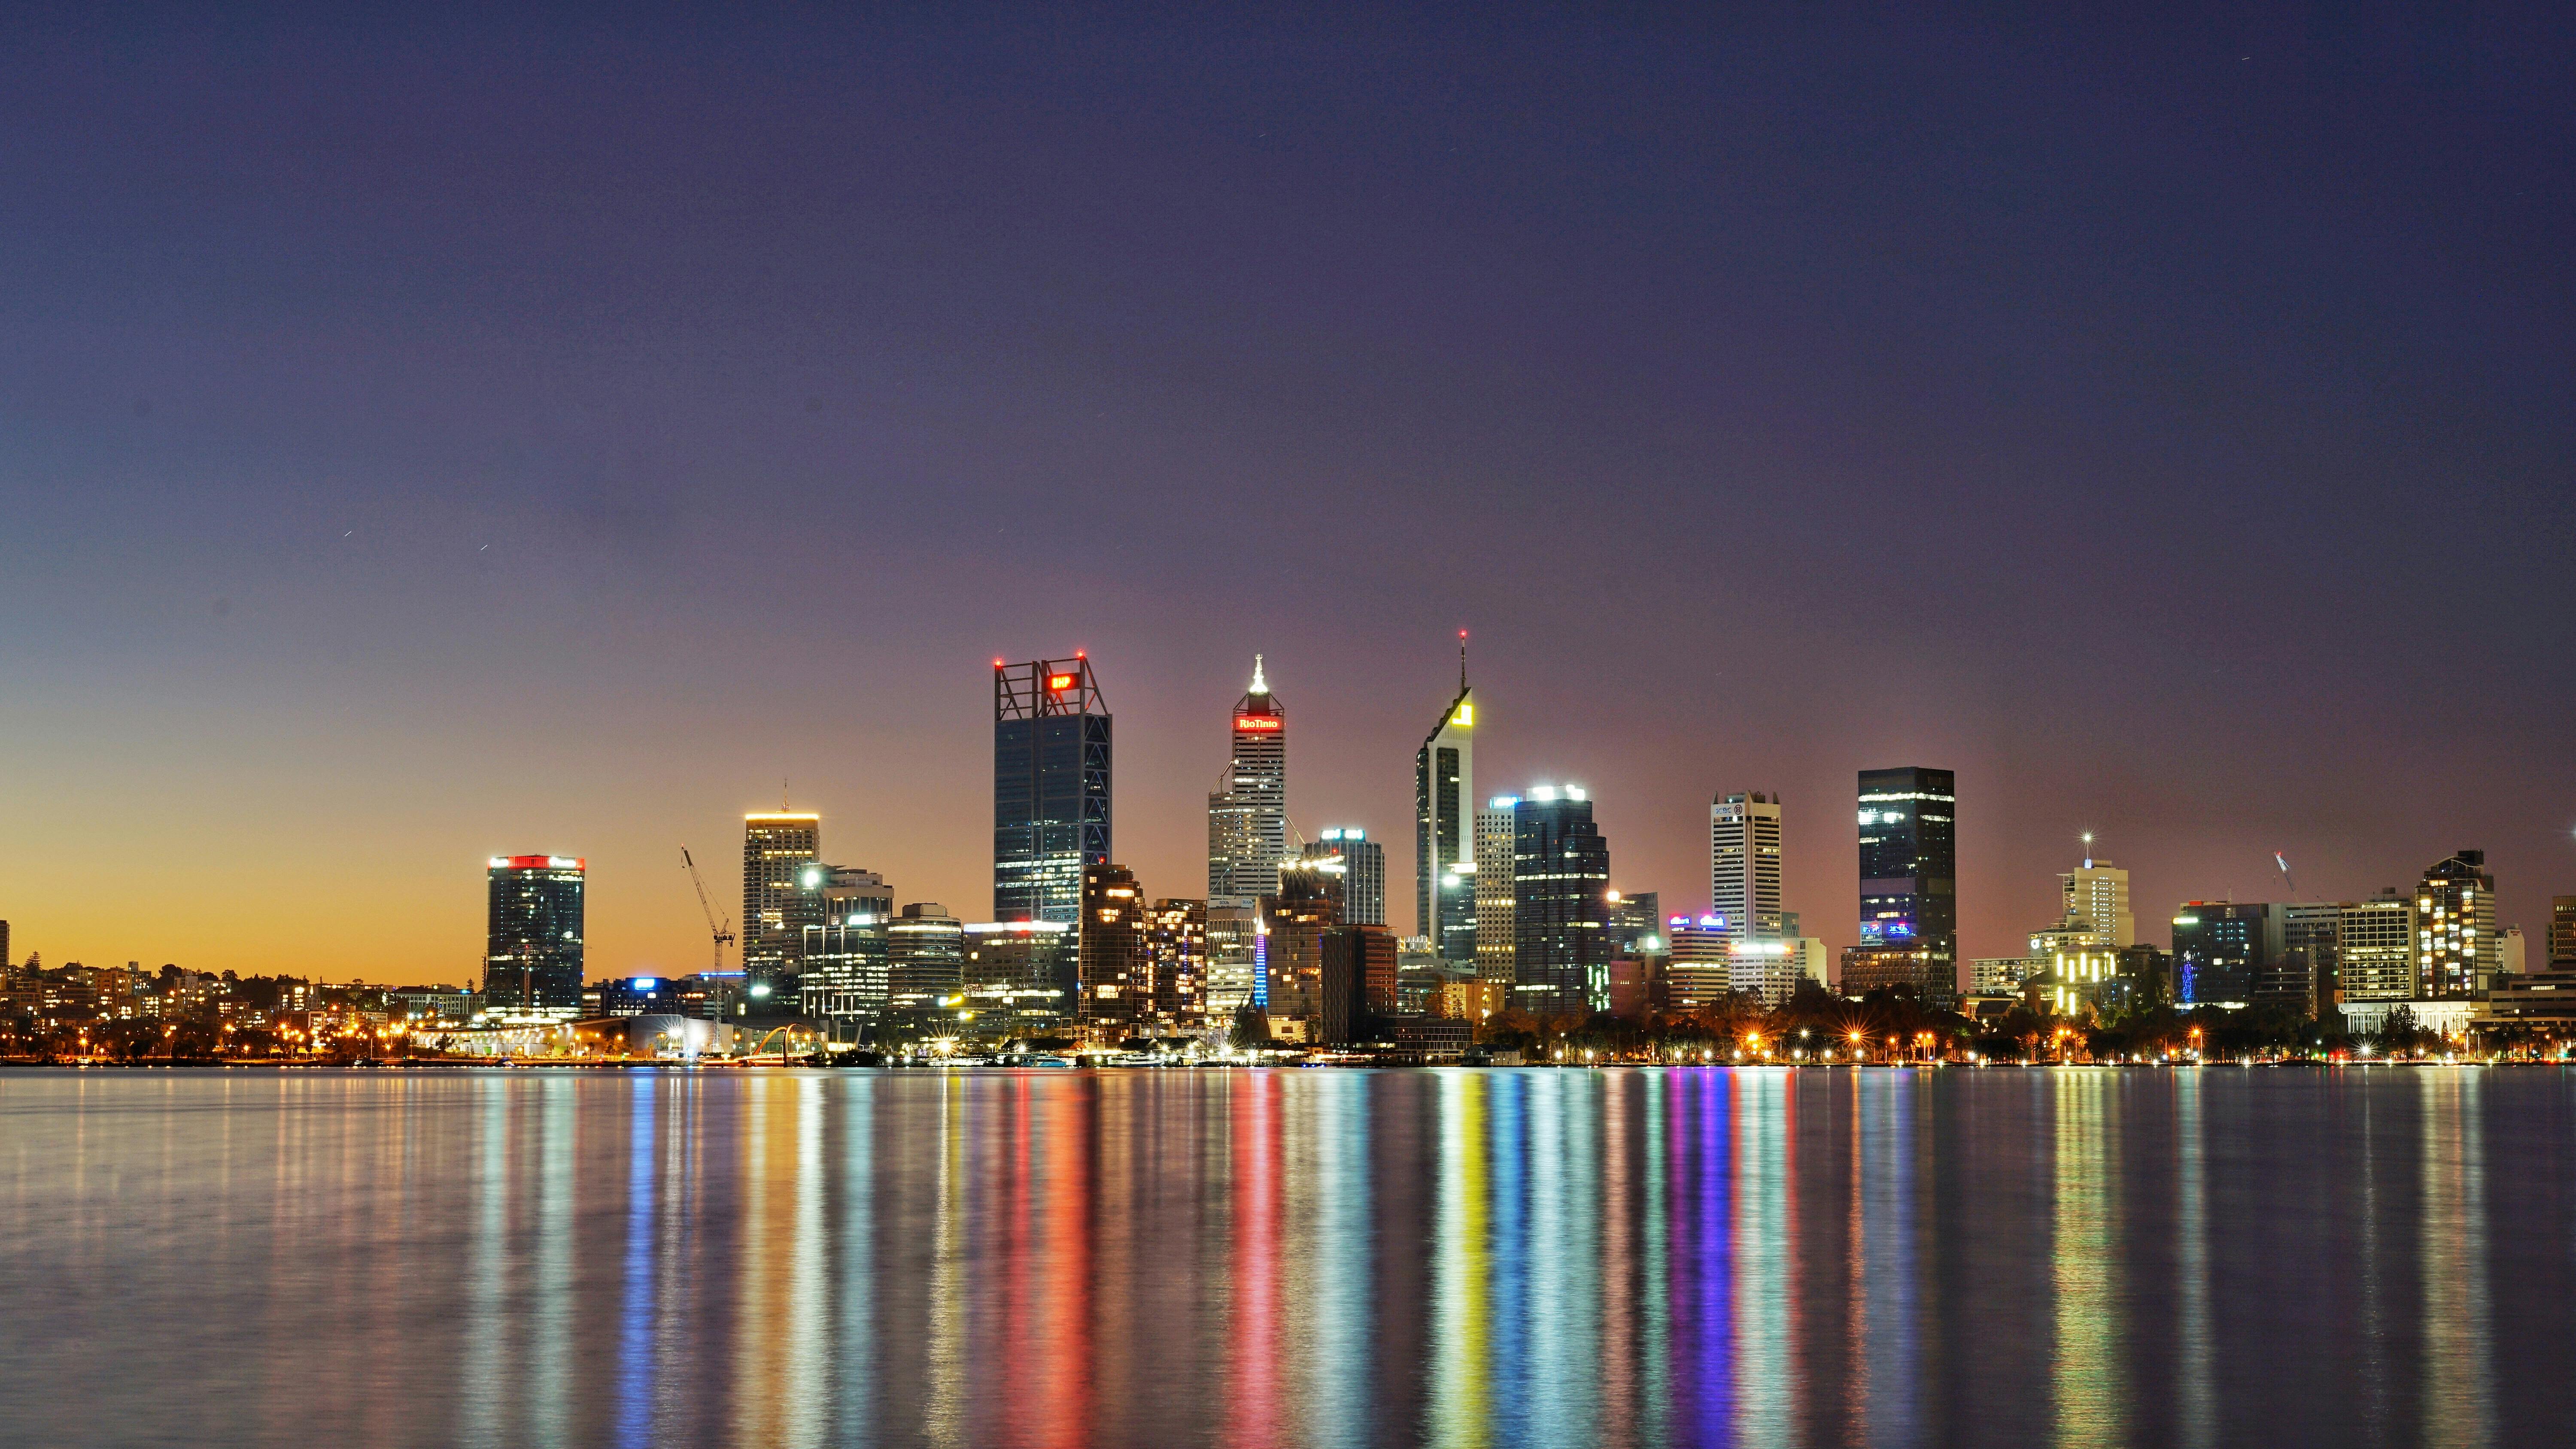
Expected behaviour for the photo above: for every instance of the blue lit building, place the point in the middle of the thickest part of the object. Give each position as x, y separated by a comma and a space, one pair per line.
1050, 787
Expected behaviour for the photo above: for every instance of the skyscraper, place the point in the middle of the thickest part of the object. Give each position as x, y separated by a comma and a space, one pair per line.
2220, 947
2097, 894
1363, 873
1444, 792
1248, 816
1291, 941
1116, 963
782, 893
1909, 874
842, 967
2562, 932
1560, 904
532, 944
1176, 944
1744, 863
2455, 937
1050, 787
1497, 835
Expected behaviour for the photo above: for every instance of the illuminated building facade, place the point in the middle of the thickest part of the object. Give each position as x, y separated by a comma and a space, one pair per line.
2375, 948
2455, 935
925, 955
1444, 846
1024, 969
1363, 872
1116, 964
1497, 836
1176, 941
2219, 947
1560, 904
1744, 862
1248, 817
781, 893
1699, 969
1050, 787
843, 971
2097, 894
533, 941
1909, 872
1291, 941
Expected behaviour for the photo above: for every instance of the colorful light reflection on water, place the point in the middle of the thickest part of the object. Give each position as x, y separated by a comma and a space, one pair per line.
1469, 1258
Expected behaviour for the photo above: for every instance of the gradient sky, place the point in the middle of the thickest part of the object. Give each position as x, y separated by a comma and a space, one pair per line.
479, 434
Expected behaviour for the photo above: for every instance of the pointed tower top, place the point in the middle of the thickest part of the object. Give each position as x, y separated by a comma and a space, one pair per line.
1259, 686
1462, 661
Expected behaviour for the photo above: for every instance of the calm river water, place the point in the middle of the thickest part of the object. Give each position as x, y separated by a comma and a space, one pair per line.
2003, 1257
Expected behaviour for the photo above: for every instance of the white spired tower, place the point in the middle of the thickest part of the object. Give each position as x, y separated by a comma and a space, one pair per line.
1744, 863
1248, 813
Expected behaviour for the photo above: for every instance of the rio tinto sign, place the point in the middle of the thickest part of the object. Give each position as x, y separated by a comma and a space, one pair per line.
1256, 723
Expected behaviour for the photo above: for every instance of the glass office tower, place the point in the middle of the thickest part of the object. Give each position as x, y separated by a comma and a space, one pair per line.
1050, 787
1444, 845
532, 946
1909, 870
1560, 904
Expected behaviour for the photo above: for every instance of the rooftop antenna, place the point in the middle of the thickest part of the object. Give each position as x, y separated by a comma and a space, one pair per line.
1462, 661
1258, 687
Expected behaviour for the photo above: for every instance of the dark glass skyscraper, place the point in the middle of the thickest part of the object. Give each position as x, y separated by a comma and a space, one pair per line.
1909, 872
1444, 843
1050, 787
1560, 904
532, 950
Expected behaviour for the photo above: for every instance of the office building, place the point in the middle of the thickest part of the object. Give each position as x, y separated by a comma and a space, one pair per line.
2301, 976
1363, 872
1497, 943
1699, 967
1909, 909
2455, 941
1636, 923
1289, 949
925, 955
637, 996
781, 892
1116, 963
2511, 959
2219, 948
2375, 948
1444, 846
2083, 981
844, 974
2000, 975
1248, 813
1022, 968
1230, 933
1176, 948
1355, 983
2097, 894
2562, 932
1560, 904
532, 945
1769, 967
1744, 862
1050, 787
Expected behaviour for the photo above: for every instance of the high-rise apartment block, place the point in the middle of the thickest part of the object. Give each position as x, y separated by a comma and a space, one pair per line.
1050, 787
1560, 904
1248, 814
1116, 960
1176, 945
1444, 847
1744, 863
2455, 937
533, 942
782, 883
1363, 872
1496, 836
1290, 943
1909, 909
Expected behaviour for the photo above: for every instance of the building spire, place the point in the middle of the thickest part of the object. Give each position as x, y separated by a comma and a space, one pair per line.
1258, 685
1462, 661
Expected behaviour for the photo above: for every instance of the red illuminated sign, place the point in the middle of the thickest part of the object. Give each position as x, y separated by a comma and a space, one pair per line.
1258, 723
1062, 681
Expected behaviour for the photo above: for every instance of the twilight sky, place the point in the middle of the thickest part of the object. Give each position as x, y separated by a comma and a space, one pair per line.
424, 440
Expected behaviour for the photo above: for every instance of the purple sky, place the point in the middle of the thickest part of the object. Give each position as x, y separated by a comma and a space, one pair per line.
421, 441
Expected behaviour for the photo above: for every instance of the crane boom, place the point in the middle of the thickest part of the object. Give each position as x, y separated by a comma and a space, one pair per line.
715, 928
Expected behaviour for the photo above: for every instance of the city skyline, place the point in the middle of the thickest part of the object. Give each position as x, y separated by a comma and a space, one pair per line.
414, 479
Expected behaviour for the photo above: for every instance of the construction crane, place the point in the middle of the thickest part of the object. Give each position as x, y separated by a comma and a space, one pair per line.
2283, 861
715, 928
